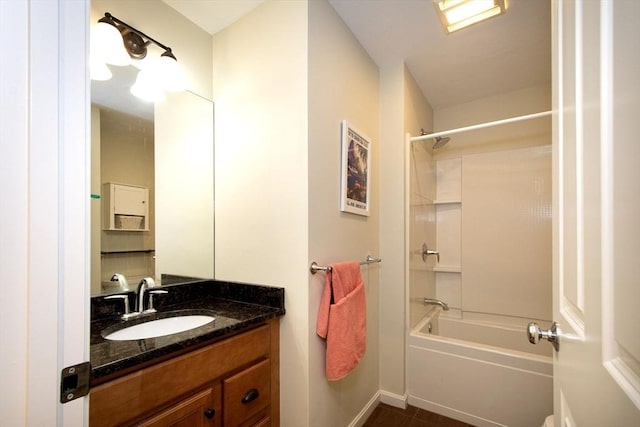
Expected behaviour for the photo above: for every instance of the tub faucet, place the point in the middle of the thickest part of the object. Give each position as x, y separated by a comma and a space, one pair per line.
144, 285
433, 301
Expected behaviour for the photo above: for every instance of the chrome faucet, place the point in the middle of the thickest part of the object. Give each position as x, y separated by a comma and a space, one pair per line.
144, 285
122, 281
433, 301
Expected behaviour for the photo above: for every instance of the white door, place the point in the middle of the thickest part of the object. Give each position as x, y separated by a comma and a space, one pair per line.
44, 216
596, 80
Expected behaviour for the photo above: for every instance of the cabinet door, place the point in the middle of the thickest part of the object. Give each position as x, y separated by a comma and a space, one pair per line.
247, 394
200, 410
130, 200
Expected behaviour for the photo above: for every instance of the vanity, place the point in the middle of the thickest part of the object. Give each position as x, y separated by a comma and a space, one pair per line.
153, 210
223, 373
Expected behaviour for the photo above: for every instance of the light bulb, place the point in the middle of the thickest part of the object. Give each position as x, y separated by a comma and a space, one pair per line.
170, 74
99, 70
147, 87
107, 44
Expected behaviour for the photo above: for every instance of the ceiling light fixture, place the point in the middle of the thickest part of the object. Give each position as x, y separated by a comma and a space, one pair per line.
115, 42
458, 14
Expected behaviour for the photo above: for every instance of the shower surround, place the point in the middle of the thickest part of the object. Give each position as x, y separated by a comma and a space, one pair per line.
490, 220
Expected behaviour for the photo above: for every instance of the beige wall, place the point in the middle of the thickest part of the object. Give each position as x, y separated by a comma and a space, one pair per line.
280, 98
516, 135
127, 157
392, 238
343, 85
403, 110
184, 203
261, 174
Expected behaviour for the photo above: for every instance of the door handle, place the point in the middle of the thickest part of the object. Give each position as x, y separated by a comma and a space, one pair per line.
534, 333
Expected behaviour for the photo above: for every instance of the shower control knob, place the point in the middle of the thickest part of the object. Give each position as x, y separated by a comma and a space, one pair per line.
534, 333
426, 252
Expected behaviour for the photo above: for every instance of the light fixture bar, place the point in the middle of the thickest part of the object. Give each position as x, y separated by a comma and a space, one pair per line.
117, 43
134, 30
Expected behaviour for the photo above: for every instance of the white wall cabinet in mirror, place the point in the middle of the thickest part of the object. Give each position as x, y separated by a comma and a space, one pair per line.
164, 147
125, 207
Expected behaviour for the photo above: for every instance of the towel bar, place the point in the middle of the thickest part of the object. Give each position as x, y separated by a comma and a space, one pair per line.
314, 268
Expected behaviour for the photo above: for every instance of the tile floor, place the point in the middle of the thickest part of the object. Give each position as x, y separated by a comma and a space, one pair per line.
389, 416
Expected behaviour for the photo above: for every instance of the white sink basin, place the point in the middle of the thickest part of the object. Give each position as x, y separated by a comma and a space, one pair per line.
160, 327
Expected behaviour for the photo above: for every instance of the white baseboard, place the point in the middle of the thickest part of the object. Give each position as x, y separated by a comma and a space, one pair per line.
397, 400
366, 412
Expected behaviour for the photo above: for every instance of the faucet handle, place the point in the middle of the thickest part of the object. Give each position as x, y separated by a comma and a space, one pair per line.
151, 308
127, 311
149, 281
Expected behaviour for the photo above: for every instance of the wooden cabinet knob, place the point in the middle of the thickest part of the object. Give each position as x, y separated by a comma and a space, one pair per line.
209, 413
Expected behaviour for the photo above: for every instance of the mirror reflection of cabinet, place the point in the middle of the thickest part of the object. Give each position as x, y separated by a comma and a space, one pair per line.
126, 207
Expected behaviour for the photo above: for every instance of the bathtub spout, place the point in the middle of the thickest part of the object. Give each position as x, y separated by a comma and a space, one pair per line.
433, 301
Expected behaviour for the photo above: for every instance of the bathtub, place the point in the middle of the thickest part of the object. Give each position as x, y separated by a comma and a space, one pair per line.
481, 372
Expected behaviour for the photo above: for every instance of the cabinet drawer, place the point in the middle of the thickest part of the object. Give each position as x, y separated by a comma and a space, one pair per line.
199, 410
246, 393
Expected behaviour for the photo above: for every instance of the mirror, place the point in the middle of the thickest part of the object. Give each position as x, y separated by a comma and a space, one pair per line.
152, 176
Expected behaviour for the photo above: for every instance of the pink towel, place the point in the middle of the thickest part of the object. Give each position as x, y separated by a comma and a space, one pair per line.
342, 319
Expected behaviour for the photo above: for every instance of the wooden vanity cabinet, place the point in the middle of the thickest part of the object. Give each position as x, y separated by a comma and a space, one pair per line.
231, 383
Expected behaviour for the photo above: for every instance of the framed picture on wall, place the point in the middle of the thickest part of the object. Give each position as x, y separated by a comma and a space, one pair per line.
356, 167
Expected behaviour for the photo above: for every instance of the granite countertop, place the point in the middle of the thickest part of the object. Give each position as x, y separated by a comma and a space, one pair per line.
236, 307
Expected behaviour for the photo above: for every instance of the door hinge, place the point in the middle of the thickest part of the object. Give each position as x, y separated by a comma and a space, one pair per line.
74, 381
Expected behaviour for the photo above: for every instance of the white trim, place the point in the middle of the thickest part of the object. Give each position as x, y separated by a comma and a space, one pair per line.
366, 412
622, 374
606, 178
74, 208
44, 210
407, 250
452, 413
579, 129
397, 400
14, 136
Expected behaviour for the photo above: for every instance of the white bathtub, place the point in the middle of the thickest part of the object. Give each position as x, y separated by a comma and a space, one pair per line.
486, 374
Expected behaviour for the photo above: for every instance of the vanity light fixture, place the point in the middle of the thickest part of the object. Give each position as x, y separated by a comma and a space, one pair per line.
458, 14
115, 42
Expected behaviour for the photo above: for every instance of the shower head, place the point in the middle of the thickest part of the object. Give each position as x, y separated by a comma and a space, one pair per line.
440, 142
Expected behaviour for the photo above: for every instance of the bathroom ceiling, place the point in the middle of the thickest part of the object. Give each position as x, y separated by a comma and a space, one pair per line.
213, 15
503, 54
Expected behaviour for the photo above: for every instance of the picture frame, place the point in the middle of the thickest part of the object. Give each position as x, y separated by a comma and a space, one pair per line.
355, 194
